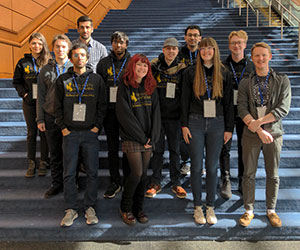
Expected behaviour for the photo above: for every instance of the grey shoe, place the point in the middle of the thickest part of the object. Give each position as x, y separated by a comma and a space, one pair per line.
42, 171
69, 218
90, 216
226, 189
31, 169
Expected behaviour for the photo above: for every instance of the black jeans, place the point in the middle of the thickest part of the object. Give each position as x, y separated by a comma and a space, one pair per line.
135, 184
111, 128
87, 141
32, 131
225, 153
171, 129
54, 138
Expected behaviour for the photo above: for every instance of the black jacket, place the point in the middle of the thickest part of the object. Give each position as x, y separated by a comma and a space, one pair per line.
185, 56
189, 103
66, 95
138, 114
104, 69
24, 77
169, 107
46, 81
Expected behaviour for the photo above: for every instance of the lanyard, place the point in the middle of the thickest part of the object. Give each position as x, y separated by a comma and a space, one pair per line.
64, 68
234, 73
34, 66
264, 85
114, 70
191, 57
206, 83
80, 94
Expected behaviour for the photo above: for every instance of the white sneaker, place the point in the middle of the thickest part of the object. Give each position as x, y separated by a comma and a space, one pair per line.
185, 169
198, 215
69, 218
90, 216
210, 216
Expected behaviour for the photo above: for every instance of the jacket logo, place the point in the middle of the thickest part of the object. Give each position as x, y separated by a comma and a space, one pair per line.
158, 78
27, 69
69, 87
133, 98
109, 71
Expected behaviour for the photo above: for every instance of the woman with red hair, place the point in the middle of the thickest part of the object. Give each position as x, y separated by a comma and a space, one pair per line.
138, 112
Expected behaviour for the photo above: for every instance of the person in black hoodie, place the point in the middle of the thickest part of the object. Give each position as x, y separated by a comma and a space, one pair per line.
138, 112
188, 54
25, 82
240, 67
80, 106
112, 68
45, 119
167, 71
207, 120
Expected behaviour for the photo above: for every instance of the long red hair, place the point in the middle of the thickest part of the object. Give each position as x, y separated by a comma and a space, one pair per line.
129, 75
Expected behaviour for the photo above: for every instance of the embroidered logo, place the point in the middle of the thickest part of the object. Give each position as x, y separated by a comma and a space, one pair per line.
158, 78
69, 87
27, 69
109, 71
133, 98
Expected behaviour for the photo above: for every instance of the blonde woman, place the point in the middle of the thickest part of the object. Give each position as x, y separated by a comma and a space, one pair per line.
207, 119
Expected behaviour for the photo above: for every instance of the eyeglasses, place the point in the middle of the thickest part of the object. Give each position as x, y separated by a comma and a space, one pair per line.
206, 48
192, 35
82, 55
236, 43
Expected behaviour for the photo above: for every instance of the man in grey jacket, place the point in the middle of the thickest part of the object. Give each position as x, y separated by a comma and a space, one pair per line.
263, 100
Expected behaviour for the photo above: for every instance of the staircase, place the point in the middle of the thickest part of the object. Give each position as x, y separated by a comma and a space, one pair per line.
25, 215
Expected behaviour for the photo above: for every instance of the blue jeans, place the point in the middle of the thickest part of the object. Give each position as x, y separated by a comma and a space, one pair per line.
171, 129
88, 142
208, 133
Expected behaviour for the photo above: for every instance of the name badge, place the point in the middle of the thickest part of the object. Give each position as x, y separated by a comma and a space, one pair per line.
34, 91
171, 87
235, 96
261, 111
79, 111
113, 94
209, 108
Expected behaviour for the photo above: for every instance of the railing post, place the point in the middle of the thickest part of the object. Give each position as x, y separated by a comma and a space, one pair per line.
222, 4
298, 41
281, 23
257, 18
247, 15
240, 8
270, 13
227, 4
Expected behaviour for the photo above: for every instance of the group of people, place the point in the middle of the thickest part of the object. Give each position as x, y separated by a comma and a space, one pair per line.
186, 95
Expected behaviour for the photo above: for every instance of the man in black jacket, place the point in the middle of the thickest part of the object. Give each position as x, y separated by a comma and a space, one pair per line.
80, 106
111, 68
167, 71
240, 66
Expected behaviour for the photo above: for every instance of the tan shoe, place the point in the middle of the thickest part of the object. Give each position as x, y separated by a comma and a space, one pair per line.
199, 216
210, 216
274, 220
246, 219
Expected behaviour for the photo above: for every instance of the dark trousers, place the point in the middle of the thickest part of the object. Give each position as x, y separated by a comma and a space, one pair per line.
111, 128
171, 129
225, 153
88, 142
135, 184
32, 130
54, 139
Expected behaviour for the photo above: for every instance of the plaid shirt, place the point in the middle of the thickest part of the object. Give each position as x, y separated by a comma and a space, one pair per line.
97, 51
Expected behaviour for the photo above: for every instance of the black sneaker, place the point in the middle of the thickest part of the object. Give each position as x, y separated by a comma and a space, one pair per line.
52, 191
112, 190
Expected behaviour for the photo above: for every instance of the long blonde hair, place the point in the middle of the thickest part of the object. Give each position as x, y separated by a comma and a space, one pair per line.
199, 85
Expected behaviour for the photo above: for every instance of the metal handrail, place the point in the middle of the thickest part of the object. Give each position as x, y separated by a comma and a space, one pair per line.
256, 12
291, 14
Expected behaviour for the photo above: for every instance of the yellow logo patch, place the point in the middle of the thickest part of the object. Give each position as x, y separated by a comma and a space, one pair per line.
109, 71
133, 98
158, 78
69, 87
27, 69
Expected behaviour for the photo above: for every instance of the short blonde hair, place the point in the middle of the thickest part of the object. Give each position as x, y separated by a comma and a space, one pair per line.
240, 33
262, 45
